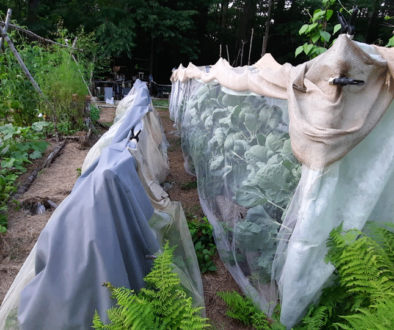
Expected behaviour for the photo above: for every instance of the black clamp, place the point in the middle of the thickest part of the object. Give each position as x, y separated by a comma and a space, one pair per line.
345, 81
135, 136
348, 28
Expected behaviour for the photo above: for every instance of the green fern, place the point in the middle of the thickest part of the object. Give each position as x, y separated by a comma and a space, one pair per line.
162, 305
244, 310
362, 297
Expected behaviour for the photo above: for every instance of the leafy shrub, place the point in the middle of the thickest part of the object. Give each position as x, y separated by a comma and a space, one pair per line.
162, 305
202, 236
317, 32
59, 79
18, 145
94, 113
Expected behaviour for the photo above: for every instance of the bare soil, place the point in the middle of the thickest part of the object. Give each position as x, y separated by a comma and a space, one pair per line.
213, 282
107, 113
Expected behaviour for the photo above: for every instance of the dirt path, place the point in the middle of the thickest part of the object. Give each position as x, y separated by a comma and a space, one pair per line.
213, 282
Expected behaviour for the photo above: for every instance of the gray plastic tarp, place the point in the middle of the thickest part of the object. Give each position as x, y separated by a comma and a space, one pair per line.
100, 234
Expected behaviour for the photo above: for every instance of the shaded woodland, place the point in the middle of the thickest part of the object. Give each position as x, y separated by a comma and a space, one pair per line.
166, 33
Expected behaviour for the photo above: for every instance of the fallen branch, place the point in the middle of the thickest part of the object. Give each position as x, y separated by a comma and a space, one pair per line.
26, 185
72, 137
102, 125
44, 40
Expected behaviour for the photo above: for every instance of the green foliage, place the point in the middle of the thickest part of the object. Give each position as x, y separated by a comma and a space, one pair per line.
116, 30
204, 244
189, 185
244, 310
18, 146
162, 305
57, 75
362, 295
316, 31
94, 57
160, 103
59, 79
18, 100
94, 113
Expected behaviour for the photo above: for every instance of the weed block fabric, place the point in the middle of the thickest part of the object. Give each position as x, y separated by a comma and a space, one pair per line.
101, 235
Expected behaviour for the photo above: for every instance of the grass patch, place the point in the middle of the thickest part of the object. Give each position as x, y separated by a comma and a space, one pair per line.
189, 185
161, 103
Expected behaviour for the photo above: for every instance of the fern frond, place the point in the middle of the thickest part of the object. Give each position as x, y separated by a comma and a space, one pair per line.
97, 324
244, 310
162, 306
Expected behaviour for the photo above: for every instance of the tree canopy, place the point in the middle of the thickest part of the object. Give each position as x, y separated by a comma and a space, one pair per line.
167, 33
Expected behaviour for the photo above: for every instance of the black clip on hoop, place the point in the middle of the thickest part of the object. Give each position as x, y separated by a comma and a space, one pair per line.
345, 81
135, 136
346, 27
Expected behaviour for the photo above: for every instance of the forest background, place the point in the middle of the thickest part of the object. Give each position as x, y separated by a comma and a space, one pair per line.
168, 32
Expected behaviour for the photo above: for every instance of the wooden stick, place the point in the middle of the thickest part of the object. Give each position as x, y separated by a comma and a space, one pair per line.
228, 55
23, 66
26, 185
72, 55
236, 60
242, 52
102, 125
18, 28
7, 22
220, 53
250, 48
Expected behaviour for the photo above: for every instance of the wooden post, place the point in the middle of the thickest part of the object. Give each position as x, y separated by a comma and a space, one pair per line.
23, 66
4, 30
91, 74
228, 55
242, 52
236, 60
18, 28
250, 48
267, 28
18, 58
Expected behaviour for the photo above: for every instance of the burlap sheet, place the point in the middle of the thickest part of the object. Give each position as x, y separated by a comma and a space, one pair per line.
326, 121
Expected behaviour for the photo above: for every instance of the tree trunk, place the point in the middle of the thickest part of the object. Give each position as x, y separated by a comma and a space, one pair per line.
246, 22
151, 54
32, 10
224, 21
267, 29
372, 18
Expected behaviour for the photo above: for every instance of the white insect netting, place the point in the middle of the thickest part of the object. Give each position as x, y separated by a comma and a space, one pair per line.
238, 147
272, 216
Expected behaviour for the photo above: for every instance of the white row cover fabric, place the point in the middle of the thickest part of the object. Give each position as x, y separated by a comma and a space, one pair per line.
238, 147
257, 240
102, 232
